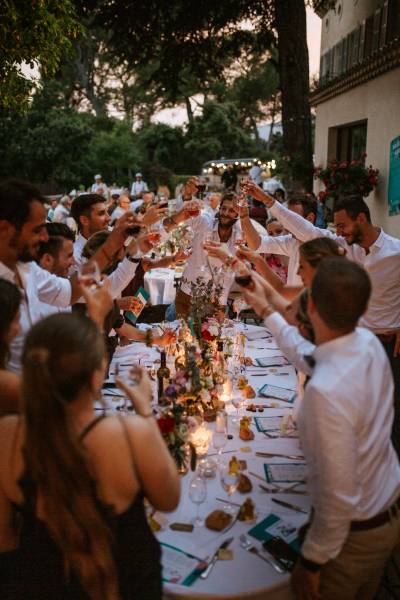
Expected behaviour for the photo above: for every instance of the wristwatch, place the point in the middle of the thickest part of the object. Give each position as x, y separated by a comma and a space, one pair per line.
133, 259
310, 565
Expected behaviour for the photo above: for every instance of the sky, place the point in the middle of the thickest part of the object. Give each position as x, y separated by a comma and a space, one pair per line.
177, 116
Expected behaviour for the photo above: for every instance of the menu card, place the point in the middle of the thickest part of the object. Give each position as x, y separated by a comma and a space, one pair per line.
285, 472
179, 566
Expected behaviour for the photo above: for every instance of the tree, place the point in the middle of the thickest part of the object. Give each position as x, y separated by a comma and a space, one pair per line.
290, 18
196, 36
216, 133
37, 33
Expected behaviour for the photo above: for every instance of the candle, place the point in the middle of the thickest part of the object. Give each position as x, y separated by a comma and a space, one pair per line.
200, 439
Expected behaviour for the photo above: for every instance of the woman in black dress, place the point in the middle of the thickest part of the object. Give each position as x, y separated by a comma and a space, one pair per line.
75, 480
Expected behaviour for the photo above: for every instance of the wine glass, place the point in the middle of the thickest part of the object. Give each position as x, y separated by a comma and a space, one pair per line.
89, 274
130, 377
198, 494
220, 435
239, 304
229, 479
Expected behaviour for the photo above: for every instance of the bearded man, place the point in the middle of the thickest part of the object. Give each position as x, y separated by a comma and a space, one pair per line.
225, 228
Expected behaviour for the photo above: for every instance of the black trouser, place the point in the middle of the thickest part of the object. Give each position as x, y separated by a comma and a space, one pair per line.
388, 342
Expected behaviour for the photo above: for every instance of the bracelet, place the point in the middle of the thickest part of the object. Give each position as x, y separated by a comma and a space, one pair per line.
149, 338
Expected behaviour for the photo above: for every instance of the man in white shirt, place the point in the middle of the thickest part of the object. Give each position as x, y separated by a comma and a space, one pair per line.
57, 257
62, 210
99, 187
378, 253
139, 186
225, 229
286, 245
22, 229
90, 213
123, 205
345, 423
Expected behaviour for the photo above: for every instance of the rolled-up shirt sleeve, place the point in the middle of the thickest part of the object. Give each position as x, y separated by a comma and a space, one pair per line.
329, 443
293, 345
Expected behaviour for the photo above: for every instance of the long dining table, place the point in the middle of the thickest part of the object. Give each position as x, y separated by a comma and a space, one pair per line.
245, 575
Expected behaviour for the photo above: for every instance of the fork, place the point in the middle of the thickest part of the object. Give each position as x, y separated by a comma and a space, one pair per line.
248, 545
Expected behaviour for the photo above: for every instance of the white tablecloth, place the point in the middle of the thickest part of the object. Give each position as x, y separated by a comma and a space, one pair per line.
160, 285
246, 576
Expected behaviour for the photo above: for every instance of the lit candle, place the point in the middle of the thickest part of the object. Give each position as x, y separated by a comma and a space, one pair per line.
201, 439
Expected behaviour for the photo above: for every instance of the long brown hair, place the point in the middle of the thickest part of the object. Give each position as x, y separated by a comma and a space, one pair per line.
60, 356
10, 300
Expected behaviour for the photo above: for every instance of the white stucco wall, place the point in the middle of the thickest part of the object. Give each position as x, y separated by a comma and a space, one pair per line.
378, 101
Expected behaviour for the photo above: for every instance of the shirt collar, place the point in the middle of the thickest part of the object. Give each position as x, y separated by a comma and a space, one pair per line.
326, 349
380, 240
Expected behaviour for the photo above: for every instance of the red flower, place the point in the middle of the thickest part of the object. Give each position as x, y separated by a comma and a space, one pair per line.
343, 165
166, 425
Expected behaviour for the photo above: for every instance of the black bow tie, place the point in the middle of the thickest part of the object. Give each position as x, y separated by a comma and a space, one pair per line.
310, 360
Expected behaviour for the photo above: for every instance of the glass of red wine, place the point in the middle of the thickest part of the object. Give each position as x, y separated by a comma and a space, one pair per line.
243, 275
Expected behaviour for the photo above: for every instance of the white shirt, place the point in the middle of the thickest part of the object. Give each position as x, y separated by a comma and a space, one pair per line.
382, 264
118, 279
204, 225
117, 213
61, 214
288, 246
138, 187
38, 286
345, 424
293, 345
100, 186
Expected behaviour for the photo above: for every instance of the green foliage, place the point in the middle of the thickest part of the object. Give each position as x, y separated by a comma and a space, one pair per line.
216, 133
34, 32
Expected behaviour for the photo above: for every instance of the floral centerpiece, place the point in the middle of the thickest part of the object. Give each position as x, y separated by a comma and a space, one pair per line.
346, 178
194, 393
175, 427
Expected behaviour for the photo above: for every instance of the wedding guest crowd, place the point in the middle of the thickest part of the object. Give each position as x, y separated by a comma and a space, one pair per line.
73, 483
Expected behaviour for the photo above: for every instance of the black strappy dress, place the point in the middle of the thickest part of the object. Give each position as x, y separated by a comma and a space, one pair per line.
36, 570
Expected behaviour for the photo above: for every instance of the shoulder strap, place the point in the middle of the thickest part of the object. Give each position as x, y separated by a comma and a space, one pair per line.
90, 426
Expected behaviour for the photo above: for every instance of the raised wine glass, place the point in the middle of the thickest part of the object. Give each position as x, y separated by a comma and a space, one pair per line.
89, 274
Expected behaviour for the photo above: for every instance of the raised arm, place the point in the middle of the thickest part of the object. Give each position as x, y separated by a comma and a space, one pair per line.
301, 228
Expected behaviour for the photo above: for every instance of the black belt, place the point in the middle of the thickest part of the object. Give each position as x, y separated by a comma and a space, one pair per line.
386, 337
378, 520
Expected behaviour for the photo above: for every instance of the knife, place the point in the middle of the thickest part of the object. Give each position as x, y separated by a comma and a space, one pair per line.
270, 454
288, 505
214, 558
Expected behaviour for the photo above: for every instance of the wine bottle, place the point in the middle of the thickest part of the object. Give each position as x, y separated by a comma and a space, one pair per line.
163, 374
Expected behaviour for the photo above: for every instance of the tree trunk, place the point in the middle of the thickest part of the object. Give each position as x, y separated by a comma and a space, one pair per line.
273, 115
255, 129
189, 110
290, 16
